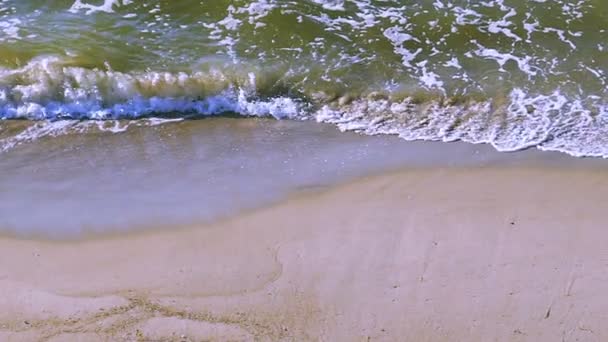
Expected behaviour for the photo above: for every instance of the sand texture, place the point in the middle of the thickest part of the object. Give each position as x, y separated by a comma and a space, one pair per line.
430, 254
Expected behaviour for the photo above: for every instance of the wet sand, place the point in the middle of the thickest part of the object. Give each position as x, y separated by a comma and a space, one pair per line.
514, 253
199, 171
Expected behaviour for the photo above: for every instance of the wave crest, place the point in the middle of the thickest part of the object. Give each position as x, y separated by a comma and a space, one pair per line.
51, 88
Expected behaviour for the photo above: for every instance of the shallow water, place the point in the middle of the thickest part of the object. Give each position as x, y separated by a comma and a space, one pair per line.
107, 107
196, 171
511, 73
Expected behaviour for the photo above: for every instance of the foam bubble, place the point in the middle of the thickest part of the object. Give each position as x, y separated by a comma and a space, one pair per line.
10, 29
36, 131
332, 5
548, 122
106, 7
45, 89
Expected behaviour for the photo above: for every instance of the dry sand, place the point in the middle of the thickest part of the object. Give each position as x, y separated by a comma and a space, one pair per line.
477, 254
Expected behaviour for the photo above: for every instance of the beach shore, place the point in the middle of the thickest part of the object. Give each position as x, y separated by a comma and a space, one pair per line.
422, 254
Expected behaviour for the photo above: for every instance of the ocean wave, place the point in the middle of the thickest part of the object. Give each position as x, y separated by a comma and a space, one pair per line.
46, 88
512, 74
61, 96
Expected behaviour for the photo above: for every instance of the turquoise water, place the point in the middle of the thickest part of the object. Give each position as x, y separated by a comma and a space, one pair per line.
511, 73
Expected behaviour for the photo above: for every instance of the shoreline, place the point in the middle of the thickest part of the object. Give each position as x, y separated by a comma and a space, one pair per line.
208, 170
473, 253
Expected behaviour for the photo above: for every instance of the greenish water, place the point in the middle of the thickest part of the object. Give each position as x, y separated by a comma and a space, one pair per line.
511, 73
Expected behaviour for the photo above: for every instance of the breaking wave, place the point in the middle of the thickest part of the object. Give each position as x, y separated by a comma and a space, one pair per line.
513, 75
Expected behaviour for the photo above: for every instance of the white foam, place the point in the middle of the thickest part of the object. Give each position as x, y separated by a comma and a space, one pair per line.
549, 122
36, 131
502, 26
230, 22
562, 36
429, 79
10, 29
257, 10
45, 89
106, 7
397, 38
332, 5
502, 58
454, 63
466, 16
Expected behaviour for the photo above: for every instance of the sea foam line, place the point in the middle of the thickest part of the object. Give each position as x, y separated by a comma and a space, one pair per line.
47, 89
549, 122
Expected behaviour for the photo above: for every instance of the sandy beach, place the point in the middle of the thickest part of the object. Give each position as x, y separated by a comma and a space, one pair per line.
422, 254
314, 170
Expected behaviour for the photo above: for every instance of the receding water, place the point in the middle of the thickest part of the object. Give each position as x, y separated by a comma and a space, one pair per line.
195, 171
